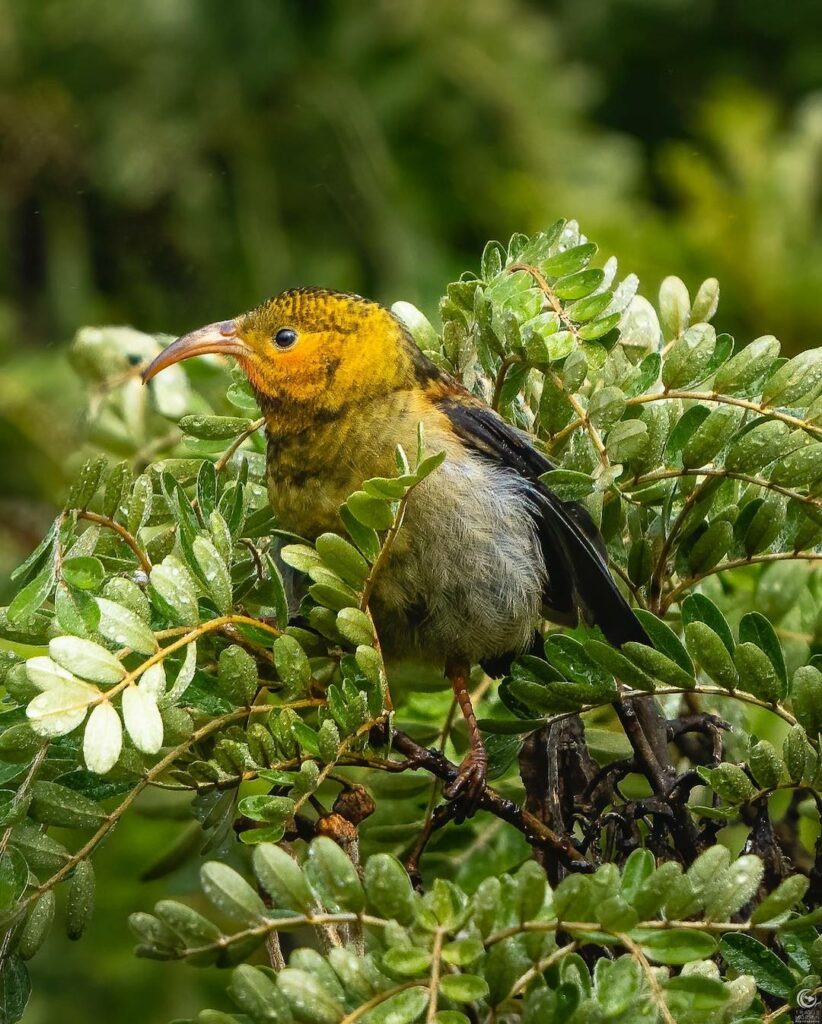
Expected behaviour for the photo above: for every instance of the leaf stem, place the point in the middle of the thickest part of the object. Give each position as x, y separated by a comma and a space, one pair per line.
111, 524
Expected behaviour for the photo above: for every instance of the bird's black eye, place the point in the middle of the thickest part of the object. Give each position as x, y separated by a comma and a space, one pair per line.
285, 337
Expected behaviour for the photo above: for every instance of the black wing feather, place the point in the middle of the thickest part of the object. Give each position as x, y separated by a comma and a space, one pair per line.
579, 577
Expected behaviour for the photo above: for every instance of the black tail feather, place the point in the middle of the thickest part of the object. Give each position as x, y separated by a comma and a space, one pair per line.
578, 571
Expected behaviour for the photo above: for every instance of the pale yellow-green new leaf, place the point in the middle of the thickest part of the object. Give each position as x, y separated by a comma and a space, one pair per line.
59, 710
142, 718
103, 739
123, 626
86, 659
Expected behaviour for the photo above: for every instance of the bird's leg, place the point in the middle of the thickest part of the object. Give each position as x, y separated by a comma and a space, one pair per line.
469, 784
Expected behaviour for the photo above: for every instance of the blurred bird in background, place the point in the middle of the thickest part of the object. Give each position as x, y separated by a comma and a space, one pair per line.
486, 550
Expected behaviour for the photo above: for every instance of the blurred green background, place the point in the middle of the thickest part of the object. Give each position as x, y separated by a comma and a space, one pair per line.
171, 162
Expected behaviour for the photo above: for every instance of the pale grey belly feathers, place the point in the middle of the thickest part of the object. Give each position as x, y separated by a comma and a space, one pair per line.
467, 574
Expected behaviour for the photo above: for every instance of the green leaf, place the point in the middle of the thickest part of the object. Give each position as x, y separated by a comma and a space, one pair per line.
711, 436
80, 904
799, 377
37, 927
119, 481
388, 888
32, 596
300, 557
579, 285
689, 356
765, 764
599, 328
54, 804
343, 558
36, 557
84, 573
292, 663
240, 395
684, 429
674, 307
755, 631
271, 809
757, 674
692, 993
799, 755
675, 945
747, 366
730, 782
648, 899
587, 309
569, 656
256, 994
283, 879
637, 870
230, 893
402, 1008
237, 672
308, 998
567, 484
215, 573
707, 648
15, 989
463, 988
407, 961
333, 877
627, 440
174, 585
699, 608
665, 640
140, 504
618, 665
746, 955
710, 547
466, 951
86, 484
786, 895
570, 261
372, 512
218, 428
806, 698
123, 627
14, 874
606, 407
366, 539
764, 525
355, 626
87, 660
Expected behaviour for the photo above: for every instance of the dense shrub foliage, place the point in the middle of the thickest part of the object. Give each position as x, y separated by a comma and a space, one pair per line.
646, 845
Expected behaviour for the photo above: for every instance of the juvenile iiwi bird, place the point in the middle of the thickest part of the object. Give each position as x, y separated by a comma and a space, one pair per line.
486, 550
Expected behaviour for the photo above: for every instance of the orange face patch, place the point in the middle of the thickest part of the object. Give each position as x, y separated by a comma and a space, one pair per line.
312, 352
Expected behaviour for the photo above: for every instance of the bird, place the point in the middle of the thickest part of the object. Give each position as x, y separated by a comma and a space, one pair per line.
487, 550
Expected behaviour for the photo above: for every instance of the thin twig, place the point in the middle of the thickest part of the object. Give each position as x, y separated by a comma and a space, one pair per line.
653, 983
225, 458
737, 563
111, 524
502, 373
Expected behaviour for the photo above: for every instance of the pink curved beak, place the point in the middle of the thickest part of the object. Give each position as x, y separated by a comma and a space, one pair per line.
218, 339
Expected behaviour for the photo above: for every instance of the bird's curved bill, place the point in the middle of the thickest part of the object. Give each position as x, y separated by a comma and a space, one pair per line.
217, 339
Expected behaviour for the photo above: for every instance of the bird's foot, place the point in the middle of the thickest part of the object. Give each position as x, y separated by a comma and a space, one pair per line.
468, 787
